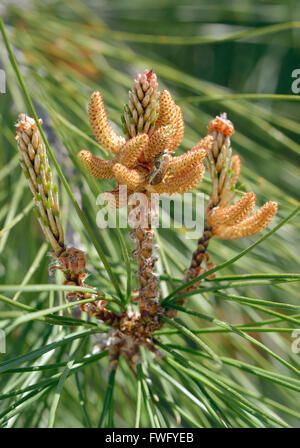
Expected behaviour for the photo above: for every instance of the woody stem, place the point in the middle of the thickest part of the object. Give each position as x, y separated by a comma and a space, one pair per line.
148, 291
195, 268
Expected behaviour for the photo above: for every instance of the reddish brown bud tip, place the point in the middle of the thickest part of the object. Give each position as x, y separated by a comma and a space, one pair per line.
149, 75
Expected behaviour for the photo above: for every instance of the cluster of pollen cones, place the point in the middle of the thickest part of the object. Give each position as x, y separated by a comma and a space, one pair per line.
143, 160
228, 220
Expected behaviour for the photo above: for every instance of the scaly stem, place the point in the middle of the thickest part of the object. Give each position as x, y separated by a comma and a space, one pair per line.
80, 213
